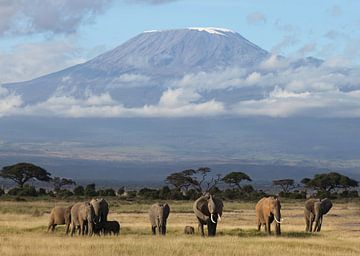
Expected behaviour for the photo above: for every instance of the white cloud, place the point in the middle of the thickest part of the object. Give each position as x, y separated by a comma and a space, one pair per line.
31, 60
132, 78
173, 103
21, 17
256, 18
283, 90
8, 102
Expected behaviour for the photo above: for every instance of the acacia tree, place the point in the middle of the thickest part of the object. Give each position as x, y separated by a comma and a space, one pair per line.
58, 183
285, 184
198, 179
235, 178
326, 182
23, 172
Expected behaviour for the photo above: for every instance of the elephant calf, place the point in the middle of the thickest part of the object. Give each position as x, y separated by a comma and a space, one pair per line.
111, 227
158, 215
314, 211
188, 230
60, 216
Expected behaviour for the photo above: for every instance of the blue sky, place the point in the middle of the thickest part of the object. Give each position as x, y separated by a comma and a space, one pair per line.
324, 29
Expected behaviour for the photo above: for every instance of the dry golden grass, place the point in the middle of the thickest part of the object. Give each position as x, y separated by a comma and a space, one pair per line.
24, 233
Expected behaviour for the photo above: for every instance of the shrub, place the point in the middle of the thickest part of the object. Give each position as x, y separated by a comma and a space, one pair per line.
90, 190
149, 193
26, 190
64, 193
79, 191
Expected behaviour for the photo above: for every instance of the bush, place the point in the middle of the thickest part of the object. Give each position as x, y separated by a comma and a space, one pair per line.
349, 194
121, 191
149, 193
164, 193
2, 192
106, 192
90, 190
79, 191
26, 190
64, 193
42, 192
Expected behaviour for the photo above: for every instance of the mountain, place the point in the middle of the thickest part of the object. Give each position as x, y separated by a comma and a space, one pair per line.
172, 99
145, 64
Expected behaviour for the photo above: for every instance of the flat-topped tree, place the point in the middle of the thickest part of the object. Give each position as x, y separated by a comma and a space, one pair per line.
285, 184
327, 182
58, 183
235, 178
23, 172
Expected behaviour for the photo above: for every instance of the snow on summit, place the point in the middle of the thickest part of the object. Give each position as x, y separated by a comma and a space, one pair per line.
212, 30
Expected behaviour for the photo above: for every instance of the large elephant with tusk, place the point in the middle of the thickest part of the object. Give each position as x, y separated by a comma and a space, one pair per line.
314, 211
208, 211
267, 210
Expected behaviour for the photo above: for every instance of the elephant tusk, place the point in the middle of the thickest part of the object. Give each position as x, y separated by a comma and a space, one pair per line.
219, 217
212, 220
278, 221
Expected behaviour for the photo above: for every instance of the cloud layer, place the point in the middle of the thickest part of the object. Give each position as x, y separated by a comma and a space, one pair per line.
283, 89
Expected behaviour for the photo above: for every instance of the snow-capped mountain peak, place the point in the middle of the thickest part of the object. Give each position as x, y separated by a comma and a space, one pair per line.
212, 30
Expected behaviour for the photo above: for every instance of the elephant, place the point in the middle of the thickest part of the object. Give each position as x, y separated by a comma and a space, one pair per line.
111, 227
268, 210
82, 216
158, 215
101, 209
208, 211
60, 216
188, 230
314, 211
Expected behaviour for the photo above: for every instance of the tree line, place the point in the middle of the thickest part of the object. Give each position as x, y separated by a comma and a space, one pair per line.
188, 184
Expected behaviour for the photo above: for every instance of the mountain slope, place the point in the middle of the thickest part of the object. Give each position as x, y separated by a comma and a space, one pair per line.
145, 65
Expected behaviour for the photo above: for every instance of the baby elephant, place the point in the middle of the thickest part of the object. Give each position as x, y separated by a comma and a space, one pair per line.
188, 230
111, 227
60, 216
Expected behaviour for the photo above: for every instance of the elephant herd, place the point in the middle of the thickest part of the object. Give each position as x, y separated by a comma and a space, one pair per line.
88, 217
91, 217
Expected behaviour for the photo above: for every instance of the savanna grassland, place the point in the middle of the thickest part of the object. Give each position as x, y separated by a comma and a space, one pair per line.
23, 232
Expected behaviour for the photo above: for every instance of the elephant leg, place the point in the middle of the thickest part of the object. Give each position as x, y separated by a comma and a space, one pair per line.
201, 229
67, 228
268, 226
73, 228
153, 229
319, 225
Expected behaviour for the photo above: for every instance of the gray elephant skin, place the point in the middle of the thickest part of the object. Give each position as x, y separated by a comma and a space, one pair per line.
267, 210
158, 215
208, 210
314, 211
101, 209
82, 216
60, 216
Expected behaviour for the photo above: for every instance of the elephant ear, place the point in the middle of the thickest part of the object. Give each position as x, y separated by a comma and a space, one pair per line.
198, 206
166, 210
326, 205
219, 205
